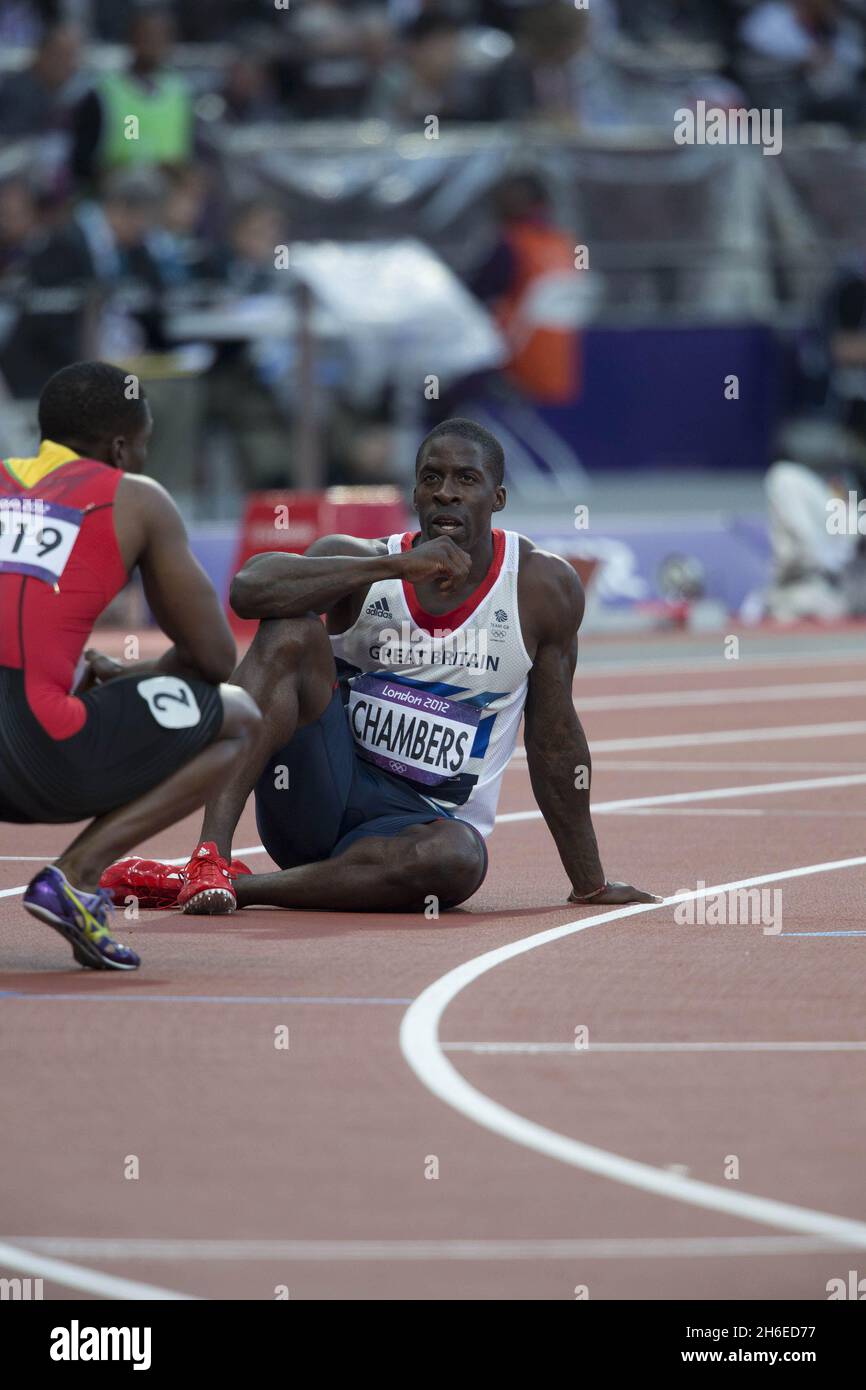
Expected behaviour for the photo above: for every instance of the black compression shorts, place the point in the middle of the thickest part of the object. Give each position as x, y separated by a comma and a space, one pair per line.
138, 731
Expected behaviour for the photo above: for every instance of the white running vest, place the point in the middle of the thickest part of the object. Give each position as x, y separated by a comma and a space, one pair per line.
437, 700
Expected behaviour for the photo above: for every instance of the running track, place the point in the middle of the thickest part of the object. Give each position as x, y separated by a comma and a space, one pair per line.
416, 1045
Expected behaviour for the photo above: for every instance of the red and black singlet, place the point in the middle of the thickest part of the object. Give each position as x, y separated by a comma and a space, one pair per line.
60, 567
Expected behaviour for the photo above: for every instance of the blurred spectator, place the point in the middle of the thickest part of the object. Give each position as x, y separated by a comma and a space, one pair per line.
672, 21
334, 47
817, 49
217, 20
149, 91
179, 242
249, 92
91, 287
844, 325
247, 386
543, 76
424, 78
532, 266
37, 100
19, 225
22, 21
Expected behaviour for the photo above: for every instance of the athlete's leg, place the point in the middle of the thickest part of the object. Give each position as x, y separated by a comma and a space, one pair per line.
289, 671
109, 836
443, 859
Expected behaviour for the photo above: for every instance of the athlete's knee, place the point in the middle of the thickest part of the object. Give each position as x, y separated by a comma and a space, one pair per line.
464, 869
287, 643
241, 715
452, 864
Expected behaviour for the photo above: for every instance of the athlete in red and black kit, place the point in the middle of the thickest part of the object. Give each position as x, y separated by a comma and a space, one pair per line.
135, 752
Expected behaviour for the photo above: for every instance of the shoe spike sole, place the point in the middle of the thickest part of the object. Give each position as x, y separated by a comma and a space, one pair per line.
214, 902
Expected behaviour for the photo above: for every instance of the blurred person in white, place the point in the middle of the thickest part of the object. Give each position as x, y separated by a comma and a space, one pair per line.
817, 567
822, 47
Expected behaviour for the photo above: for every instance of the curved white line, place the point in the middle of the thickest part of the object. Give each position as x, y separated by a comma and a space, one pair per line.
80, 1277
419, 1040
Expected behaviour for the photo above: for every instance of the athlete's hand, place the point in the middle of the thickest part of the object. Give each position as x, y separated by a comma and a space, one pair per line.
612, 894
99, 669
441, 560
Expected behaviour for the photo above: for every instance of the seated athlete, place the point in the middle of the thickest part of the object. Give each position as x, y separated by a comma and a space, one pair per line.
135, 752
377, 765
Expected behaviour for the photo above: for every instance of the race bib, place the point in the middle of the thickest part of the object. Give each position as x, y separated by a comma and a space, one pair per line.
410, 732
171, 702
36, 537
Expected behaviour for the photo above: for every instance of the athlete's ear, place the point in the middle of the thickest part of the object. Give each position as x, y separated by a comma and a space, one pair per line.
500, 499
118, 451
414, 501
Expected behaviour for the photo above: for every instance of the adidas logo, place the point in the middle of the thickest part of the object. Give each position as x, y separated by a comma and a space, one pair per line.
378, 609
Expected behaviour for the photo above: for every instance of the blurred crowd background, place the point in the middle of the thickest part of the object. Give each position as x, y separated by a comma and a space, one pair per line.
313, 229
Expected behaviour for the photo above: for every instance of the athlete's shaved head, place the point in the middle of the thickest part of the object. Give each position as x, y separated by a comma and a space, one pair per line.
90, 406
491, 449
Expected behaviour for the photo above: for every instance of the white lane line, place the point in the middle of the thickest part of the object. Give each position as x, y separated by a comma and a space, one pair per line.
244, 853
730, 695
706, 794
569, 1047
78, 1277
614, 807
422, 1049
599, 1248
699, 811
776, 733
664, 765
777, 813
590, 669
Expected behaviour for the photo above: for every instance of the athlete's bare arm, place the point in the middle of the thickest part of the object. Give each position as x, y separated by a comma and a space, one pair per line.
557, 752
151, 535
336, 570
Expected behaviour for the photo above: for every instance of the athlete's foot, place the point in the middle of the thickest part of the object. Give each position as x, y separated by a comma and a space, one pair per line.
154, 885
208, 887
82, 918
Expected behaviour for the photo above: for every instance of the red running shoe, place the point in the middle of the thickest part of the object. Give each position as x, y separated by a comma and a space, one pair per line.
152, 883
158, 886
208, 886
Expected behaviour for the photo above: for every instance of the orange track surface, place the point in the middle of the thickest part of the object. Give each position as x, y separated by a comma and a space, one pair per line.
315, 1157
